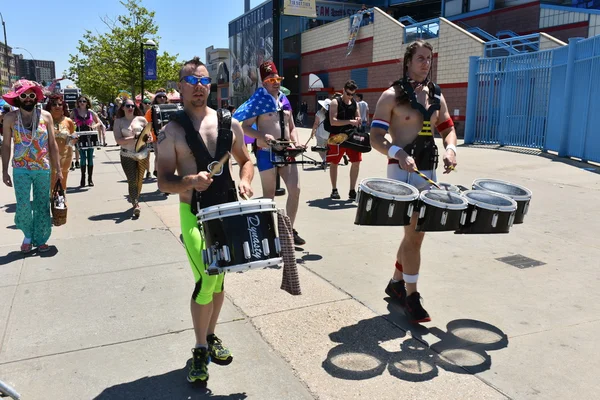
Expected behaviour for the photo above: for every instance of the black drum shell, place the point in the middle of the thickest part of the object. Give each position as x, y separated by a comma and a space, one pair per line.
234, 230
378, 214
431, 220
483, 221
522, 207
87, 141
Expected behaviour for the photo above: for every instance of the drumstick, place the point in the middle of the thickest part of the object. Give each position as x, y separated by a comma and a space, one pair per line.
244, 196
219, 166
422, 175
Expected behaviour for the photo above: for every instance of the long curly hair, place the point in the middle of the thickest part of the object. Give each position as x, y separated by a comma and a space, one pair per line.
56, 99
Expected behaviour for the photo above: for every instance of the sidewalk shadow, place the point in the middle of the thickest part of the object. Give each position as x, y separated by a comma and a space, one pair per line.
12, 256
171, 385
462, 348
329, 204
307, 256
118, 217
10, 208
152, 196
78, 189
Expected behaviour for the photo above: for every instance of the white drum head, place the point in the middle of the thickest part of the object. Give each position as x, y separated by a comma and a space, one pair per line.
389, 189
236, 208
516, 192
443, 199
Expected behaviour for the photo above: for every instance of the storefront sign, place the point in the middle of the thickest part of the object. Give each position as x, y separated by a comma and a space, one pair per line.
300, 8
332, 11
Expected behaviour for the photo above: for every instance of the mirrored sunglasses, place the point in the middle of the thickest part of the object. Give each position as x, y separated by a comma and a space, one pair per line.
194, 80
273, 80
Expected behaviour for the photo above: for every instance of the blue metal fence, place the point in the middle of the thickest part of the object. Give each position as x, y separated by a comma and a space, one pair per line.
540, 100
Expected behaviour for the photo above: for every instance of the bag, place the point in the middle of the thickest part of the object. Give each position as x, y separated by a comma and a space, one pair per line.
358, 141
58, 205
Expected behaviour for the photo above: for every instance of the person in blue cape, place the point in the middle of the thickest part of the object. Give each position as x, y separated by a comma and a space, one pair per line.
271, 114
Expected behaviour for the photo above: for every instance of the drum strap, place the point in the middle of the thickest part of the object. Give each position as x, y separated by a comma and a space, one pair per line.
281, 123
222, 190
423, 149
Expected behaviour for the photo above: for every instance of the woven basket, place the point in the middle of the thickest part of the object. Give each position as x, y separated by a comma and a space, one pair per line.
59, 216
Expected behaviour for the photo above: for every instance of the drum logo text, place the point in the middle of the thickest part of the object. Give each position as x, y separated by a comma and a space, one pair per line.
253, 224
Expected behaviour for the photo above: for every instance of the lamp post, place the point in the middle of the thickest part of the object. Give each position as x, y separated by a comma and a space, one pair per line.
149, 43
6, 49
32, 60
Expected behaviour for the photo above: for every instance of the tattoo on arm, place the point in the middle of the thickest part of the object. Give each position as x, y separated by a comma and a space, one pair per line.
161, 136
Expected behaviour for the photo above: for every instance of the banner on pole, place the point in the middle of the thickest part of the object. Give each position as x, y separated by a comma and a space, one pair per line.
356, 21
150, 73
300, 8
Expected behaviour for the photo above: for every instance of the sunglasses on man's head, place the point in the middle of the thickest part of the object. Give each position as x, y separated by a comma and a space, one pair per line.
273, 80
24, 96
129, 105
194, 80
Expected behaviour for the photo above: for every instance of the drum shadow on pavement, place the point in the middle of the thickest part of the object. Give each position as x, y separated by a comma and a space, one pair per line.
330, 204
371, 346
171, 385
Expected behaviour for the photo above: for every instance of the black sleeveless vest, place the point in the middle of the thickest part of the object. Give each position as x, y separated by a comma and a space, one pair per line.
222, 190
345, 112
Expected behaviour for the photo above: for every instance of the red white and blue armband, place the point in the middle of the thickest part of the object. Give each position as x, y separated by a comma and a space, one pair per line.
381, 124
445, 125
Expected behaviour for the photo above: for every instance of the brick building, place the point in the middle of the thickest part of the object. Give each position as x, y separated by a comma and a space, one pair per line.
376, 59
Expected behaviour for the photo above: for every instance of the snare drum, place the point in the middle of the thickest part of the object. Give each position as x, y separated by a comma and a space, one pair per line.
385, 202
488, 212
87, 140
520, 194
240, 235
449, 187
440, 210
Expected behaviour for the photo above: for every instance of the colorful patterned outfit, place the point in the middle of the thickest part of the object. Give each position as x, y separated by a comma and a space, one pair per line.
31, 168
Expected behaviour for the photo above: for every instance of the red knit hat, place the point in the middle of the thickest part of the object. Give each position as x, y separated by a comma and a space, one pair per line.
267, 68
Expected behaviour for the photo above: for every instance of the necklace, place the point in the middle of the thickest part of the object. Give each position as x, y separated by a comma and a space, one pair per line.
32, 128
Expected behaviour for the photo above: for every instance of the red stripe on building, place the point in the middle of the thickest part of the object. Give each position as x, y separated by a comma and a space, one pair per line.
367, 65
381, 90
500, 11
337, 46
582, 24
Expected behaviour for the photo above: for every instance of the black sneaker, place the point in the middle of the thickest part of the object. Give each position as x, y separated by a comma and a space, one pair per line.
77, 164
335, 195
298, 241
414, 309
199, 367
219, 354
352, 195
397, 292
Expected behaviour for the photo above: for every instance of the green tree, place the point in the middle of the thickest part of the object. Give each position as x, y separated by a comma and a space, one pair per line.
109, 62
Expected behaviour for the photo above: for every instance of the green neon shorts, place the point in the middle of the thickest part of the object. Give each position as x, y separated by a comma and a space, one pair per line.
206, 284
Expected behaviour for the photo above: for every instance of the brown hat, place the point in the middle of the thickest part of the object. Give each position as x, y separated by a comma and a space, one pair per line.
267, 68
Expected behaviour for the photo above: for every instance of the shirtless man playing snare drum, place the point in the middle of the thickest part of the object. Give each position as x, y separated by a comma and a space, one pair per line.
410, 131
268, 131
178, 172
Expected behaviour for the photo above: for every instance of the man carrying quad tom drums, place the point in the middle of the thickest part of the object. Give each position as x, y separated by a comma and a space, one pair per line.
406, 111
191, 146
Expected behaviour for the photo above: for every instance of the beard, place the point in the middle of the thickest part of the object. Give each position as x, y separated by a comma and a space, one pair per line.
28, 106
25, 106
199, 102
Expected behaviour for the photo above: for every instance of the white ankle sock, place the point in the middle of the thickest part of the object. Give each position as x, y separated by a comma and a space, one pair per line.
199, 346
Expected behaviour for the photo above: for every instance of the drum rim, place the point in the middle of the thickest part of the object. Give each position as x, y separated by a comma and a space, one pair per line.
87, 133
387, 196
217, 211
448, 206
491, 207
515, 197
253, 264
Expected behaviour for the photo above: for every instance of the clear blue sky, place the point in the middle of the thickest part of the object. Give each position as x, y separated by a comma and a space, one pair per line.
51, 30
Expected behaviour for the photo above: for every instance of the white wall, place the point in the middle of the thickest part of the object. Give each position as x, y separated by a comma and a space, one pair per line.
594, 25
549, 17
455, 46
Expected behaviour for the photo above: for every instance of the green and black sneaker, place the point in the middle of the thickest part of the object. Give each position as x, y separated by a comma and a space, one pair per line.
219, 354
199, 367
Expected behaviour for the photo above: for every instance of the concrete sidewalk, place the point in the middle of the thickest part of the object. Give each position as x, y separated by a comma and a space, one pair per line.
105, 314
